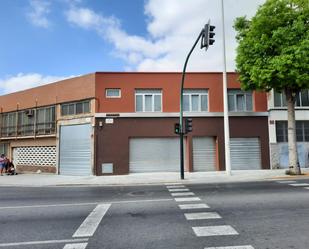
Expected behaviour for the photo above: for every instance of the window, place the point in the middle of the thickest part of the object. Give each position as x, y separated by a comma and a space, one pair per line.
39, 121
195, 100
302, 99
8, 124
302, 131
25, 124
239, 101
113, 93
282, 131
46, 121
148, 101
75, 108
4, 149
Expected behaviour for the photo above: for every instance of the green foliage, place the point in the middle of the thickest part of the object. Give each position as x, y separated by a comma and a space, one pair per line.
273, 50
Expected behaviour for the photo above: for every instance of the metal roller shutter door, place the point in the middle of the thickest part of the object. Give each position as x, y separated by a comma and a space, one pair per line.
245, 153
75, 150
204, 154
154, 155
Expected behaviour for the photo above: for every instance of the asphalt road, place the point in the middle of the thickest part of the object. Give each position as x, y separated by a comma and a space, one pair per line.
259, 215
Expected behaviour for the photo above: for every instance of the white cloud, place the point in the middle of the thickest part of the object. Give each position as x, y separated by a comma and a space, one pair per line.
38, 13
173, 26
24, 81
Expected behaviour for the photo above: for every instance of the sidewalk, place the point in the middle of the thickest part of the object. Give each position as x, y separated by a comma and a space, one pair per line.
40, 180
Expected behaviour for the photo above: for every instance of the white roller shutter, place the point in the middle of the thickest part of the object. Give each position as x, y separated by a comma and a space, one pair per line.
245, 153
154, 155
75, 150
204, 154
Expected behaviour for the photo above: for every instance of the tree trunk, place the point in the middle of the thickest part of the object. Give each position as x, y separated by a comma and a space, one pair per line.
293, 156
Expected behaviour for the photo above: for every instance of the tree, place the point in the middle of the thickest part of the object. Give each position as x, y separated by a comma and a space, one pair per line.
273, 53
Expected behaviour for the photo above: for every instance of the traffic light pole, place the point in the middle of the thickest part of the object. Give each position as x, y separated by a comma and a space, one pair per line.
181, 134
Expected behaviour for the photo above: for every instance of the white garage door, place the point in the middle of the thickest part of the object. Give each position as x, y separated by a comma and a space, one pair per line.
245, 153
154, 155
75, 150
204, 154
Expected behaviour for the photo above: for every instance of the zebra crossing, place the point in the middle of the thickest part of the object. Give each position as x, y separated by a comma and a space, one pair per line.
194, 209
294, 183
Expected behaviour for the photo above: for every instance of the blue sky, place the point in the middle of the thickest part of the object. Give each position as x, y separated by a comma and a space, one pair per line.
47, 40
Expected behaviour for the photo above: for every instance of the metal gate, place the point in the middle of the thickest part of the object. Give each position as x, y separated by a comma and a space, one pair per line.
245, 153
154, 155
204, 154
75, 150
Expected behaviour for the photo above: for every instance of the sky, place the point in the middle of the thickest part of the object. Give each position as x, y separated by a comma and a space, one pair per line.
43, 41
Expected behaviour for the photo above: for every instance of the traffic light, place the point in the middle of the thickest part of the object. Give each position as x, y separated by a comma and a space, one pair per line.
177, 128
188, 125
208, 36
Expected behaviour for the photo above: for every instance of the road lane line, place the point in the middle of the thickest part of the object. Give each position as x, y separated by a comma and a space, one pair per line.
26, 243
182, 194
176, 183
193, 206
202, 216
187, 199
51, 205
299, 184
142, 201
90, 224
286, 181
76, 246
178, 189
231, 247
84, 204
176, 186
214, 231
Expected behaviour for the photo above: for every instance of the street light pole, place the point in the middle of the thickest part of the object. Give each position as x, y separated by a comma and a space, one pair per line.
181, 135
225, 104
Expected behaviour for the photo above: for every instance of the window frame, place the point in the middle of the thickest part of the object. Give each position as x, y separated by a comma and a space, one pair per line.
238, 92
4, 148
285, 131
73, 105
298, 100
199, 93
112, 97
146, 92
49, 121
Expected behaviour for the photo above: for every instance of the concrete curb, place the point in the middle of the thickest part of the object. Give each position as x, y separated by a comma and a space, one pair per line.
47, 180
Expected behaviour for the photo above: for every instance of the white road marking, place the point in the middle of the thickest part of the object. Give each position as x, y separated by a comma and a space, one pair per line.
193, 206
90, 224
26, 243
187, 199
231, 247
306, 187
178, 189
176, 183
83, 204
214, 231
182, 194
286, 181
76, 246
202, 216
299, 184
176, 186
51, 205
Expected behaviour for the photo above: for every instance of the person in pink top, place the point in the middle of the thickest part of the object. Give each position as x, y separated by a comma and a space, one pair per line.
2, 163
